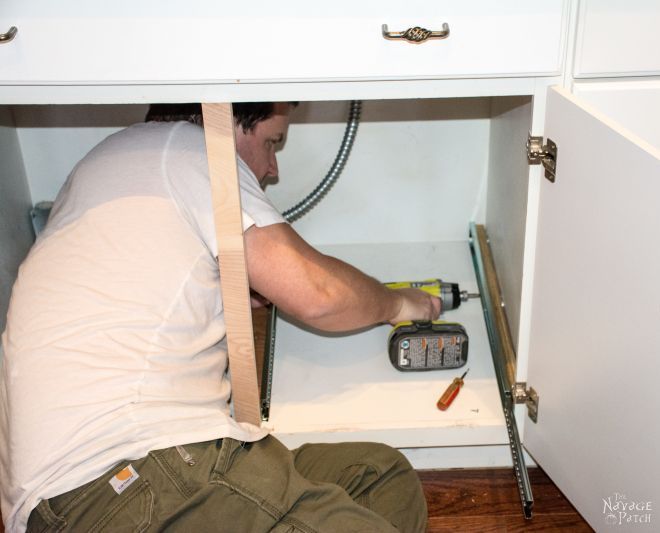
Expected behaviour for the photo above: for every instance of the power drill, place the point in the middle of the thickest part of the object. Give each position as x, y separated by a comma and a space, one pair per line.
448, 292
430, 345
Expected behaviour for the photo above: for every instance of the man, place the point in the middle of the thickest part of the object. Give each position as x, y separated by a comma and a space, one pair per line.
114, 393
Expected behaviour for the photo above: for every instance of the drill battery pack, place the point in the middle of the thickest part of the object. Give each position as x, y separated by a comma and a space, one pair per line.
428, 345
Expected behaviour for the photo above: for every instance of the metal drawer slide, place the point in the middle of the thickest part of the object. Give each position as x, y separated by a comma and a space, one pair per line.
503, 354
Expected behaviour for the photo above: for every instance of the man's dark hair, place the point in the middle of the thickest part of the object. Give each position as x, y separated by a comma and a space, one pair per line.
246, 114
174, 112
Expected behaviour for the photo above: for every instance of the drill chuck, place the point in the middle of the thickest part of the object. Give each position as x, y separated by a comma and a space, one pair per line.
450, 295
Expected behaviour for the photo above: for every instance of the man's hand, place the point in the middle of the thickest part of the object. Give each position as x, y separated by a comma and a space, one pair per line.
416, 305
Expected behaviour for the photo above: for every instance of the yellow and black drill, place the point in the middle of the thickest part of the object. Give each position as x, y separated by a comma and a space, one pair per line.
430, 345
450, 293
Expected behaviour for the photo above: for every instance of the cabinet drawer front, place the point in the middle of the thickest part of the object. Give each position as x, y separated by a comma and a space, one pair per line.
287, 40
618, 38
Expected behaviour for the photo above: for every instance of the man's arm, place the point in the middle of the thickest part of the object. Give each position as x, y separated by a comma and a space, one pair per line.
323, 291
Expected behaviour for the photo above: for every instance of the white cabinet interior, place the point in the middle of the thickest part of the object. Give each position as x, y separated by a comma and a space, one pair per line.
419, 173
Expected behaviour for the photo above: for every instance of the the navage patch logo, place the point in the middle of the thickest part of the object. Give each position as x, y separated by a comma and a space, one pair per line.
619, 510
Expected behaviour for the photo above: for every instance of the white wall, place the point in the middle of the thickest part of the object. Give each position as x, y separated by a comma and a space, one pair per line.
417, 171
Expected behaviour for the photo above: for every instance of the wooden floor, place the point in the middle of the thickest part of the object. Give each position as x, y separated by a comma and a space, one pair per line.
487, 500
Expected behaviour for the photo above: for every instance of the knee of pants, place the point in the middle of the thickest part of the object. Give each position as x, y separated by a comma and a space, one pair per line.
381, 456
384, 457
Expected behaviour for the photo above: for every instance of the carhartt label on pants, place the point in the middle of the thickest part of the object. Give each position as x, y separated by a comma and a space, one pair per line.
122, 480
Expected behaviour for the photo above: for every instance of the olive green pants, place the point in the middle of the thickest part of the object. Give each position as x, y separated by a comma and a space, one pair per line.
236, 487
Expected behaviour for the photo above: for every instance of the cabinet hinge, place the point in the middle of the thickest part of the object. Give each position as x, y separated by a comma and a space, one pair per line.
540, 154
521, 394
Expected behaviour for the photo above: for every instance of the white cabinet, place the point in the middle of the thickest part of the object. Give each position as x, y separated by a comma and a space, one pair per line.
576, 258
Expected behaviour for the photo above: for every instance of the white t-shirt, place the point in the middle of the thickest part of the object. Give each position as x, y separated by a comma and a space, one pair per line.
115, 339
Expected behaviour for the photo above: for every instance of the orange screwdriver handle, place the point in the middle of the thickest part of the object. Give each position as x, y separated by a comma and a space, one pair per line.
448, 396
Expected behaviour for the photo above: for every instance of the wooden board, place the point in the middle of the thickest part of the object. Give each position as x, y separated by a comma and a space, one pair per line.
223, 173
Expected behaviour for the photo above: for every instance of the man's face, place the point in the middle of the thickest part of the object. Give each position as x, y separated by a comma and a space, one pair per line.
257, 147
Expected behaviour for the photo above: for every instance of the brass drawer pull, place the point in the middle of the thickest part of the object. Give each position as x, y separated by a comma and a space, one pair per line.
416, 35
6, 37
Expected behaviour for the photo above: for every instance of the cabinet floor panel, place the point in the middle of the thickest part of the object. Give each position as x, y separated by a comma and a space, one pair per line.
482, 500
331, 388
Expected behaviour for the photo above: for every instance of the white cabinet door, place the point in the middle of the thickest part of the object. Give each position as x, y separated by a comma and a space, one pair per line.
595, 339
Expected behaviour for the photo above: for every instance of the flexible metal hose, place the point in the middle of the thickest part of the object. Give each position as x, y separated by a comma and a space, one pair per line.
310, 201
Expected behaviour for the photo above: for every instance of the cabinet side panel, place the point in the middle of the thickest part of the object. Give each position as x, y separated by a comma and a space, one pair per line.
15, 230
507, 198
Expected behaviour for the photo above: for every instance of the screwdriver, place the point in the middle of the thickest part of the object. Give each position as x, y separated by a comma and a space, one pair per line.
452, 391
